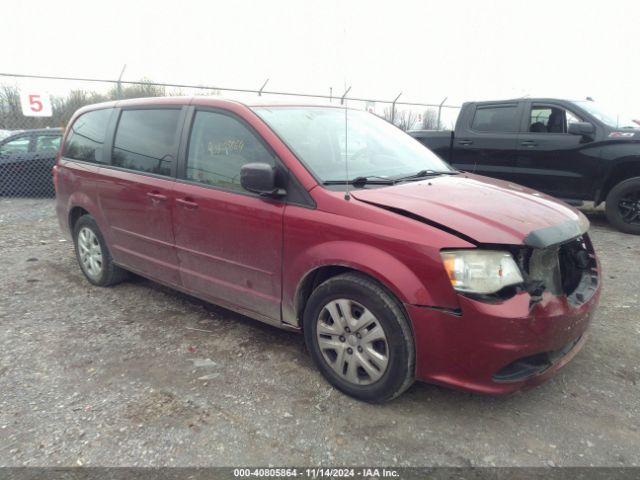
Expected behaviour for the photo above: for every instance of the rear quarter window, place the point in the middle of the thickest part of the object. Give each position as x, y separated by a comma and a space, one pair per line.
85, 140
502, 118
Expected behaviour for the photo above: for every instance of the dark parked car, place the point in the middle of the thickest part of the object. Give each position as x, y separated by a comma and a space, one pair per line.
402, 269
572, 150
26, 160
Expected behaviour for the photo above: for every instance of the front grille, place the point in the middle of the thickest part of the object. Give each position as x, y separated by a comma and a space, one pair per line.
567, 269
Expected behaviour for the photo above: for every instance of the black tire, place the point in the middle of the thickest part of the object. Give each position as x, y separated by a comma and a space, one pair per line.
109, 273
627, 189
400, 369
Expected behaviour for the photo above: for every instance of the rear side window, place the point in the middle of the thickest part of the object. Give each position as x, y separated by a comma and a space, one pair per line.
47, 143
146, 140
218, 148
86, 137
496, 119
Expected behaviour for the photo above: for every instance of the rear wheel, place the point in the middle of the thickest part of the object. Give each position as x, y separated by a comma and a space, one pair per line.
93, 255
359, 338
623, 206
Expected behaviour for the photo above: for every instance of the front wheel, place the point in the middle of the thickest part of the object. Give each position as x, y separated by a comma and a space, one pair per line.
359, 338
623, 206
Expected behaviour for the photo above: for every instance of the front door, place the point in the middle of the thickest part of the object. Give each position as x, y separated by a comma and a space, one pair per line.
552, 160
229, 241
136, 191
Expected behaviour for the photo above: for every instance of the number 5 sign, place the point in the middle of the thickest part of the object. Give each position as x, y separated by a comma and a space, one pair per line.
35, 104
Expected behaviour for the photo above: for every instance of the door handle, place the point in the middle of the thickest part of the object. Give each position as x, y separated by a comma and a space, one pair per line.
465, 142
528, 143
156, 196
187, 203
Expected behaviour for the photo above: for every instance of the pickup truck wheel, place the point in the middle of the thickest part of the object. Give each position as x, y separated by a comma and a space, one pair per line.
359, 338
623, 206
93, 255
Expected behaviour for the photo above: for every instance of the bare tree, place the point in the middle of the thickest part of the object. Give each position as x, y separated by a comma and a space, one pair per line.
430, 120
139, 90
63, 107
10, 108
403, 119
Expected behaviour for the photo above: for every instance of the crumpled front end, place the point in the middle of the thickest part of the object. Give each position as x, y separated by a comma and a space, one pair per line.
502, 344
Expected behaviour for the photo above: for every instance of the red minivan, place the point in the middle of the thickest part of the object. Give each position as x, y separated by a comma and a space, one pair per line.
336, 224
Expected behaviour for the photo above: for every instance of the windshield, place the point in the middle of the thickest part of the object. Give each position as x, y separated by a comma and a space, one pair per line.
373, 147
610, 119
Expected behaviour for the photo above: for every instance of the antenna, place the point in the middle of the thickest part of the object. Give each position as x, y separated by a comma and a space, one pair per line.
347, 196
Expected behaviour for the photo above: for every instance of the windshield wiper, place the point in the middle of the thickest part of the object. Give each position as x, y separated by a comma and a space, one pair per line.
362, 181
376, 180
425, 174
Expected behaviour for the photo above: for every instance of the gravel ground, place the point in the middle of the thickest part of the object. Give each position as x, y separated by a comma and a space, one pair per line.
139, 375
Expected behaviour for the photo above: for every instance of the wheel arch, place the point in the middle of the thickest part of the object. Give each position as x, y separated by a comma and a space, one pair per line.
80, 203
321, 274
74, 215
623, 169
387, 271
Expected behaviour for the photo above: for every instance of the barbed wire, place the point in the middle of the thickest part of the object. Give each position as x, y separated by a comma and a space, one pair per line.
260, 91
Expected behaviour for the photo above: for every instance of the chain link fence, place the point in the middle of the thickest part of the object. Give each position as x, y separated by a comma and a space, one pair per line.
29, 144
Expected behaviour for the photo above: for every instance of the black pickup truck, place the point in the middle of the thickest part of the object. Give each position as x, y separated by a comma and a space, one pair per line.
572, 150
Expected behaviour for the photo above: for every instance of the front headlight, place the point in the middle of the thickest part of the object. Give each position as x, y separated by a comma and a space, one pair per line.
480, 271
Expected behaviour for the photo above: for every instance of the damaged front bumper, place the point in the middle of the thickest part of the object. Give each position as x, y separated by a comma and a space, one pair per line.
485, 347
500, 345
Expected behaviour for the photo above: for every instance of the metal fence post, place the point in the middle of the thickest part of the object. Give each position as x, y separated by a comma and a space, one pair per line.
344, 95
440, 111
262, 87
393, 109
119, 85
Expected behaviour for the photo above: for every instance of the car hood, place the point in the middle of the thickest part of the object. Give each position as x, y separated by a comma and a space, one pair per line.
482, 209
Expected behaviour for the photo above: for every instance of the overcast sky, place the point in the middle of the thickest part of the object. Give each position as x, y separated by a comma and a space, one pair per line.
426, 49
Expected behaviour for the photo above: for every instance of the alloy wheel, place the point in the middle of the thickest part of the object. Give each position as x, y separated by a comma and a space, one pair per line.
629, 207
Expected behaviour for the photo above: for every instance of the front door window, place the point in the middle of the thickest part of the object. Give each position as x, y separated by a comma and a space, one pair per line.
219, 146
548, 119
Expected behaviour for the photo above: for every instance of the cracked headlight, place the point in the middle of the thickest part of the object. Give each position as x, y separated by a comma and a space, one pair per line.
480, 271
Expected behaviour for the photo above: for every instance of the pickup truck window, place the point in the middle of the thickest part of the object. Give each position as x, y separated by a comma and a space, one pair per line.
496, 118
548, 119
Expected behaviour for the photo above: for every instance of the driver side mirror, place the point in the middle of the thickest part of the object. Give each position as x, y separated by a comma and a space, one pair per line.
582, 128
260, 178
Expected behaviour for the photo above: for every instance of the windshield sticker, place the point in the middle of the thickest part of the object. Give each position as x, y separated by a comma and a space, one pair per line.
621, 134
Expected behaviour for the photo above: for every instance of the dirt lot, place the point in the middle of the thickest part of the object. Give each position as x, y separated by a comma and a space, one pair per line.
141, 375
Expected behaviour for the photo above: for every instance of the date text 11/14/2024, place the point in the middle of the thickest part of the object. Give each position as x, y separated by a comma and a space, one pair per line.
319, 472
